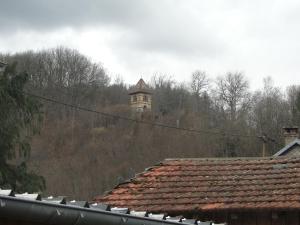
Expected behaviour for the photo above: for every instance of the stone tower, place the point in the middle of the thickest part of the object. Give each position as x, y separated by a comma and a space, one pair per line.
2, 66
140, 97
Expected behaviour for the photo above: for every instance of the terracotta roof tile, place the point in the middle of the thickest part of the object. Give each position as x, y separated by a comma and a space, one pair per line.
189, 185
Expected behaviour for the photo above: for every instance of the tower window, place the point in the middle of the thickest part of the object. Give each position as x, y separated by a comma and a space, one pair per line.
145, 98
134, 98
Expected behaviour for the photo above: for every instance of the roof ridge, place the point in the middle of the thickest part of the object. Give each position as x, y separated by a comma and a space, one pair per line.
233, 158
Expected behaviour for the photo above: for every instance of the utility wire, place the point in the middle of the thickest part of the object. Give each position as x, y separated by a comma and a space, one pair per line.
273, 140
135, 120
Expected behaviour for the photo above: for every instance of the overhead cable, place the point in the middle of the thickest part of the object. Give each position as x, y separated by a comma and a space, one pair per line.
136, 120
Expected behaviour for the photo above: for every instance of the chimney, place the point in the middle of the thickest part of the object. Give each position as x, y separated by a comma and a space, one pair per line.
290, 134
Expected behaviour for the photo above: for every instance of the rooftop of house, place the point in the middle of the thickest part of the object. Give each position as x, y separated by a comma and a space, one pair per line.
33, 208
141, 87
182, 186
288, 147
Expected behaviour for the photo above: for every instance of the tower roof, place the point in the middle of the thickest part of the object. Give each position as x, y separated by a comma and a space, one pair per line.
2, 64
140, 87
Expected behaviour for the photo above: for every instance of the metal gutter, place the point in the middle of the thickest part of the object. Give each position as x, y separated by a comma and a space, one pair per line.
24, 209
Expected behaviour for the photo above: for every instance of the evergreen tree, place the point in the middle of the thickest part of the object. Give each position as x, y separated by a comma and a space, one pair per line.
19, 120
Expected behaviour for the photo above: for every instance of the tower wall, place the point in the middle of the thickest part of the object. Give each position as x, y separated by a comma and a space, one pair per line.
141, 102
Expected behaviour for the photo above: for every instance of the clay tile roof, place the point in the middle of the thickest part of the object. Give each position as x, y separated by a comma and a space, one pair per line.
141, 86
196, 185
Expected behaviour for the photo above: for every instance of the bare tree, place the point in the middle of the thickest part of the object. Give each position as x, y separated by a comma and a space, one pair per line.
293, 97
233, 93
270, 112
199, 82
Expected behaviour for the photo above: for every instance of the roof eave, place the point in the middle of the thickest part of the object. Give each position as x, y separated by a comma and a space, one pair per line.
287, 148
140, 91
45, 212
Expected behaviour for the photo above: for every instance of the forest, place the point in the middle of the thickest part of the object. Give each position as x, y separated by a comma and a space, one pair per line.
83, 153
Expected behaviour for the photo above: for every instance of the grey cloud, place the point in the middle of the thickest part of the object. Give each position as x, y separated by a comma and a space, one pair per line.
43, 14
258, 37
162, 26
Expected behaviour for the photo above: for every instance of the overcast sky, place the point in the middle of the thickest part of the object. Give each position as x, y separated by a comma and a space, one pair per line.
137, 38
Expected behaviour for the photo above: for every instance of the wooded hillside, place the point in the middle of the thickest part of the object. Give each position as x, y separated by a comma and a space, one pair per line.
82, 154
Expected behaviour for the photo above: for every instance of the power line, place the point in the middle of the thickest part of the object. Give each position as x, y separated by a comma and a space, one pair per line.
135, 120
273, 140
